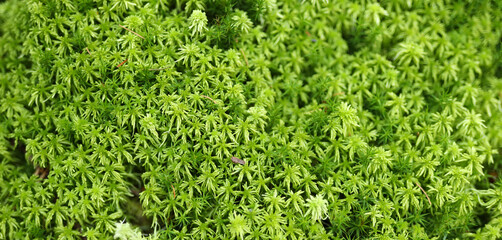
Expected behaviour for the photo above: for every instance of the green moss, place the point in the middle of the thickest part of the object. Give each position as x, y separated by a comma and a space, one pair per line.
365, 119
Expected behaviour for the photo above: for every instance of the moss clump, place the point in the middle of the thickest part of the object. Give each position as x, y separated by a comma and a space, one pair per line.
225, 119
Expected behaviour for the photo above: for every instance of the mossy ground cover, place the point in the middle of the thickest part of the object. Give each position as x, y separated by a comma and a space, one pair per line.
240, 119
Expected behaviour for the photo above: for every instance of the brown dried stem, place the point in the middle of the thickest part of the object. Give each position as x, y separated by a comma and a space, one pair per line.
174, 193
157, 69
41, 172
204, 96
122, 63
425, 194
131, 31
245, 58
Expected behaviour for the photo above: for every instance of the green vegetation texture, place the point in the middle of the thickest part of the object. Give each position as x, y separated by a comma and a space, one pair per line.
130, 119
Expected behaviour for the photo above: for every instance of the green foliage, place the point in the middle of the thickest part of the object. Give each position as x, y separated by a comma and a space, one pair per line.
354, 119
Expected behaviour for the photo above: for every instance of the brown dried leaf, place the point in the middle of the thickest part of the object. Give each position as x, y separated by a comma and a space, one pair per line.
238, 160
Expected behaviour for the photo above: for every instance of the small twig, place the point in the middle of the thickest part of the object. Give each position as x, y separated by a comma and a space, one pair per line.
122, 63
174, 193
245, 58
340, 93
204, 96
425, 193
88, 51
308, 34
157, 69
131, 31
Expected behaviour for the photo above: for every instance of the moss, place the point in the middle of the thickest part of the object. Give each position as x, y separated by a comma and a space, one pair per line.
359, 119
